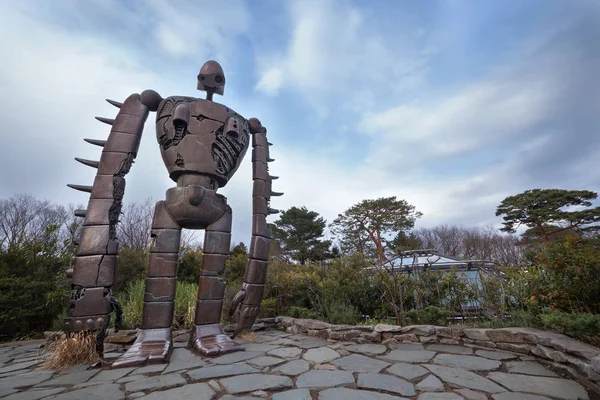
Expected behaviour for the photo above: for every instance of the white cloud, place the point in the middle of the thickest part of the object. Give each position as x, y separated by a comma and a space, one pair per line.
271, 81
481, 115
333, 49
199, 28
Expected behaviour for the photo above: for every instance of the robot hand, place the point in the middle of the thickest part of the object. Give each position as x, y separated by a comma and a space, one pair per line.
246, 313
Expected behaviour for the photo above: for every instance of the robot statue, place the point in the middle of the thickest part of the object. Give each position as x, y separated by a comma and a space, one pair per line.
202, 144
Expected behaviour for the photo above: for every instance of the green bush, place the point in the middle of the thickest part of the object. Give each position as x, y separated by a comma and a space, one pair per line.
300, 312
517, 318
268, 308
24, 307
583, 326
429, 315
131, 266
340, 313
188, 265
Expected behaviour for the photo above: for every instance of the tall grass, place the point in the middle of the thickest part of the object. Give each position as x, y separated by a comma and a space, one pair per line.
132, 302
185, 305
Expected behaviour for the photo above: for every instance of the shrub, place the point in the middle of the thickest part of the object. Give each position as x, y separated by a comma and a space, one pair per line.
583, 326
429, 315
268, 308
131, 266
23, 306
188, 265
340, 313
300, 312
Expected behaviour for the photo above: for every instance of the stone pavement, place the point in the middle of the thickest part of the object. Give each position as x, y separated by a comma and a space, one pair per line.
281, 366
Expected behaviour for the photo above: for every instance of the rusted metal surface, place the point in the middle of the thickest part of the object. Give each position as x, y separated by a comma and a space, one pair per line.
202, 144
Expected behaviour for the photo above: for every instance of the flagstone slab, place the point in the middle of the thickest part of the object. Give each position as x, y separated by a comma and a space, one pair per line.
360, 363
8, 385
469, 394
183, 359
35, 394
19, 366
446, 348
464, 378
324, 379
555, 387
430, 384
195, 391
293, 368
367, 348
495, 355
321, 355
260, 347
386, 383
352, 394
467, 362
236, 357
310, 344
529, 368
154, 383
518, 396
296, 394
110, 375
410, 356
406, 346
149, 369
265, 361
286, 352
440, 396
99, 392
248, 383
221, 371
70, 379
407, 371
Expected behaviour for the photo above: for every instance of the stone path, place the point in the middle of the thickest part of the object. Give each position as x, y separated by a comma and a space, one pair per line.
281, 366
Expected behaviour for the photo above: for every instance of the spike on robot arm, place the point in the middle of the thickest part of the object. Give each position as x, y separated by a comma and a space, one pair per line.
93, 272
246, 302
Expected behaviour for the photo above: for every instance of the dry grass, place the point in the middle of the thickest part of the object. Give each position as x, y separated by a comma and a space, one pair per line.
249, 336
77, 348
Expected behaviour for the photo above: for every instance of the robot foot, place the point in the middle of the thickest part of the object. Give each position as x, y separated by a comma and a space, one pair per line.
209, 340
153, 346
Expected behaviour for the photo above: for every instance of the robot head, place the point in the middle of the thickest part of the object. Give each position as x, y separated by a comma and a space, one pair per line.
211, 78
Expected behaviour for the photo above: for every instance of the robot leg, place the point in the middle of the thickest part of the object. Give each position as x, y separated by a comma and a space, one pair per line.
207, 337
155, 343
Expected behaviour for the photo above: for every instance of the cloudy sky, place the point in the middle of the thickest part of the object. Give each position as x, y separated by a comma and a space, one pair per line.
451, 105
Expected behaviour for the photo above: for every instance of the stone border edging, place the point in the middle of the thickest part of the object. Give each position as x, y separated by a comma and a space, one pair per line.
572, 356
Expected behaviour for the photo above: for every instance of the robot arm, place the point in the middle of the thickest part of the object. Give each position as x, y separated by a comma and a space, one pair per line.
247, 301
95, 261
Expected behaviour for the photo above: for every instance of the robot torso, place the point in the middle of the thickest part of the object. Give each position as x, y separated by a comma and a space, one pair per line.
198, 136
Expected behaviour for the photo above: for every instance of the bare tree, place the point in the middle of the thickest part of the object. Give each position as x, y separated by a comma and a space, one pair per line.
24, 219
71, 229
189, 238
135, 226
472, 243
135, 223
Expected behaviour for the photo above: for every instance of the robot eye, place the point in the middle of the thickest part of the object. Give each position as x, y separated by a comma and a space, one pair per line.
218, 79
202, 77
